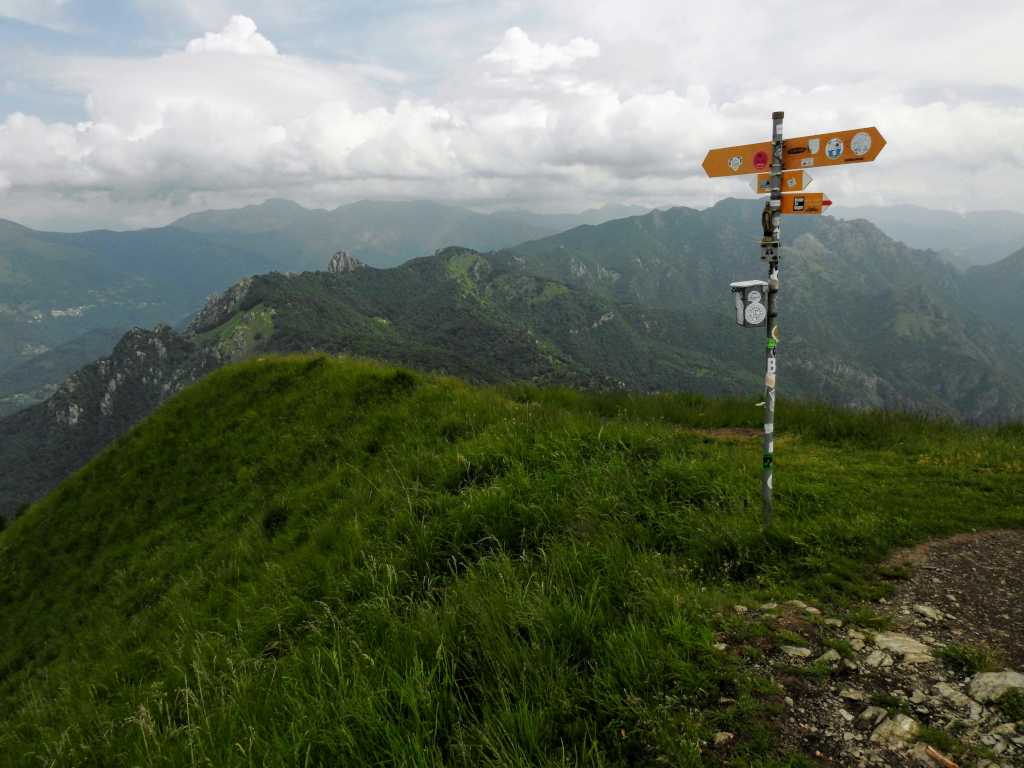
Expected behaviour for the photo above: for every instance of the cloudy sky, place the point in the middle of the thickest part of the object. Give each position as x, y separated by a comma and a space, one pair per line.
128, 113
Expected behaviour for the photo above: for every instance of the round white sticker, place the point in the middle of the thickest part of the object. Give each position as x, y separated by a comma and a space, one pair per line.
860, 143
834, 149
755, 314
754, 296
735, 162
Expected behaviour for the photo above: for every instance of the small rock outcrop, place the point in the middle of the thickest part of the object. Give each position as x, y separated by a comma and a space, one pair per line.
990, 686
220, 307
343, 261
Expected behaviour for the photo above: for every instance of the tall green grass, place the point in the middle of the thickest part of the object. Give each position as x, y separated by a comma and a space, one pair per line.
307, 561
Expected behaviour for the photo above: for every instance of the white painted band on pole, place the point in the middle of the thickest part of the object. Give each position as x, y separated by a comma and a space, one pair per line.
769, 429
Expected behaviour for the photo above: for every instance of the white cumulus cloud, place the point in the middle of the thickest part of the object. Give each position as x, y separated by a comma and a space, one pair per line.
520, 54
238, 36
600, 107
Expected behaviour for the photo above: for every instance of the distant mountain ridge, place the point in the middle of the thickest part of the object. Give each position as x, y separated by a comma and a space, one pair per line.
996, 291
56, 287
965, 240
640, 303
865, 320
381, 234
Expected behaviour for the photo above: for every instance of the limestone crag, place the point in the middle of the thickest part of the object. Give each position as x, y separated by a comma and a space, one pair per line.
343, 261
220, 307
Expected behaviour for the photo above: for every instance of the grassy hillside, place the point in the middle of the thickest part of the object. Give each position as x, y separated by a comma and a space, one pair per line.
307, 561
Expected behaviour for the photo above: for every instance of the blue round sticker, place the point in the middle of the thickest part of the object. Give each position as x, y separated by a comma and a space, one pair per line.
834, 149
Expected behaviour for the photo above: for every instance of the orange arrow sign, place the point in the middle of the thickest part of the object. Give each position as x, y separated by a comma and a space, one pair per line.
792, 181
805, 203
860, 145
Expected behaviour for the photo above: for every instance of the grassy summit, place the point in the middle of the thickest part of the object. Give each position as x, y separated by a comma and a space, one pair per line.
308, 561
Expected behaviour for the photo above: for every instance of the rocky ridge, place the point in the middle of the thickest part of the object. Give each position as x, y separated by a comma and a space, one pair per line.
92, 407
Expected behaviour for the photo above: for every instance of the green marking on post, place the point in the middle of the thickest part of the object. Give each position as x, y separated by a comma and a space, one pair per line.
768, 459
772, 343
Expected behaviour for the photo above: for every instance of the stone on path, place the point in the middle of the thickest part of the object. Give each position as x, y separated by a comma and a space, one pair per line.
952, 694
929, 612
873, 715
878, 659
989, 686
723, 737
796, 651
830, 656
911, 651
896, 731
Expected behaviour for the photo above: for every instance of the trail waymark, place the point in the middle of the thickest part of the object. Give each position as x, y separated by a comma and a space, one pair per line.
781, 166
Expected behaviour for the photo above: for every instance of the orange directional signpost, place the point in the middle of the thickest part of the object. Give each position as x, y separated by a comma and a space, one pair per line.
781, 165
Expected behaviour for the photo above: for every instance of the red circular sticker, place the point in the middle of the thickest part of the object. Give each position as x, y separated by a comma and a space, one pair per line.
761, 160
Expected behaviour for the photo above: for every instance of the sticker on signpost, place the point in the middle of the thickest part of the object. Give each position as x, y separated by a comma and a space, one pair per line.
735, 162
834, 149
761, 160
860, 144
807, 162
813, 146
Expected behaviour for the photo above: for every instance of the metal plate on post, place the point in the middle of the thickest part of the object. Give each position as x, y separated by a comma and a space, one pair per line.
792, 181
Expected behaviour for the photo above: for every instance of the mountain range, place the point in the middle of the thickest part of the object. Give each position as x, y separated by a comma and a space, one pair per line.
639, 303
55, 288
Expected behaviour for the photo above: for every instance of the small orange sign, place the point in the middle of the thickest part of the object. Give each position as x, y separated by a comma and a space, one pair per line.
792, 181
859, 145
805, 203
